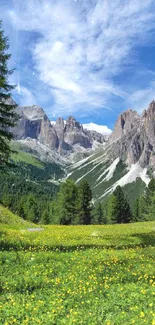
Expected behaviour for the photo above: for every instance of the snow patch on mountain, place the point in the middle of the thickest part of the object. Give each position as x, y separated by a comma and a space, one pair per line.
110, 170
135, 171
79, 179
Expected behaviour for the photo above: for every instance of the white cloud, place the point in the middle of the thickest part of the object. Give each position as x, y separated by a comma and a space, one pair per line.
103, 129
53, 122
83, 45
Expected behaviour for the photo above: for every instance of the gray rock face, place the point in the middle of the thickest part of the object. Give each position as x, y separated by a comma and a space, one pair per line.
74, 133
126, 122
133, 138
95, 136
34, 124
59, 127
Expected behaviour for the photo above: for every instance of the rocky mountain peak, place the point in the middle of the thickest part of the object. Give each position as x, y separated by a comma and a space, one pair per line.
150, 112
151, 108
34, 123
124, 124
33, 112
60, 122
66, 137
133, 138
72, 124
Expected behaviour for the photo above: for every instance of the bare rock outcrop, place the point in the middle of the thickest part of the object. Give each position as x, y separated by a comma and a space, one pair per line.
133, 138
33, 123
63, 136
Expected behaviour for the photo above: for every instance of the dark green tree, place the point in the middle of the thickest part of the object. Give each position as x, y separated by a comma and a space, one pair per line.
111, 209
97, 214
136, 210
30, 208
151, 187
123, 212
8, 116
84, 205
65, 207
45, 218
151, 215
146, 202
148, 208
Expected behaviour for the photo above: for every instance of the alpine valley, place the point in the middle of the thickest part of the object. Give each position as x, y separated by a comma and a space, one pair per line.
54, 152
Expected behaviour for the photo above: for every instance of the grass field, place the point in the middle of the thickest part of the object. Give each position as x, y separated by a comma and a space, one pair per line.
92, 275
21, 156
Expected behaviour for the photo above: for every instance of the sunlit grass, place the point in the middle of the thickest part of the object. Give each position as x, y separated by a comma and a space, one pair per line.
92, 275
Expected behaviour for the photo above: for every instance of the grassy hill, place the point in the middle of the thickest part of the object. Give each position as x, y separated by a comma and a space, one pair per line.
78, 275
7, 218
20, 155
29, 165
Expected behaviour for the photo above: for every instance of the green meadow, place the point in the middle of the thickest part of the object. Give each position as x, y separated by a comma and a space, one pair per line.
92, 275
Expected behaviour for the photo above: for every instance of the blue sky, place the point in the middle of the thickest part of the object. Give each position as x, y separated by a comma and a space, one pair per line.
89, 58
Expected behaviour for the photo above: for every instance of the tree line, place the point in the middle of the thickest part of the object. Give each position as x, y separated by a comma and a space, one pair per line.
72, 204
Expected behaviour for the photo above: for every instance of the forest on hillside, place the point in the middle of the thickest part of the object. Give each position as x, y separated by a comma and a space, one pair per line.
71, 204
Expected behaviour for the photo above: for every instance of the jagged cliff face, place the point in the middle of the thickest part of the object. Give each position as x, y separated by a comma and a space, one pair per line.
74, 133
122, 160
33, 123
63, 136
133, 138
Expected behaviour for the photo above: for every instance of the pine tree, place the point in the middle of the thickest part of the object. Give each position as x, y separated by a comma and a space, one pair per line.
123, 212
149, 201
112, 208
146, 202
8, 116
151, 215
136, 210
45, 218
98, 216
151, 187
65, 207
84, 203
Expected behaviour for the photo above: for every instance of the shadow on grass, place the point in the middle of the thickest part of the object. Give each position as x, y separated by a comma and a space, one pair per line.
144, 240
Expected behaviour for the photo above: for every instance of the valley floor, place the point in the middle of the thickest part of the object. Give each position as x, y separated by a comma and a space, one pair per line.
91, 275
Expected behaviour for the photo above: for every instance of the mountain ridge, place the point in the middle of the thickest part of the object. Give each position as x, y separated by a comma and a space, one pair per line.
126, 158
34, 129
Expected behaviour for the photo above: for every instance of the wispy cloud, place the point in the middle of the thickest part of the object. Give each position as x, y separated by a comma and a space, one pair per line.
141, 98
81, 47
26, 96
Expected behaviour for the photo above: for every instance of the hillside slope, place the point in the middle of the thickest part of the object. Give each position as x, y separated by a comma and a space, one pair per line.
11, 219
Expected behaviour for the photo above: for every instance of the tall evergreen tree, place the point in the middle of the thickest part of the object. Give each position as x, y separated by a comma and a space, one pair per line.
84, 203
149, 202
8, 116
123, 212
112, 208
98, 216
65, 207
136, 210
151, 215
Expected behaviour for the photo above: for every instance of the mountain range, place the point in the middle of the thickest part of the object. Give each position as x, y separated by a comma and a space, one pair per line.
126, 157
64, 141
